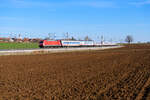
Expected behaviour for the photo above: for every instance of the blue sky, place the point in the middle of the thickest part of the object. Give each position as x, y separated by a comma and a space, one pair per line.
114, 19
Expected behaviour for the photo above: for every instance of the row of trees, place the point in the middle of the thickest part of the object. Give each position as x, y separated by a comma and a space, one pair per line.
128, 39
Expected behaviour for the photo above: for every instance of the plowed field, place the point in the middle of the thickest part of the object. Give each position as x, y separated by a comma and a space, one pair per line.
122, 74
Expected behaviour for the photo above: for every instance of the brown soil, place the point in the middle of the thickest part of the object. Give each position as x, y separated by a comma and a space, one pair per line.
109, 74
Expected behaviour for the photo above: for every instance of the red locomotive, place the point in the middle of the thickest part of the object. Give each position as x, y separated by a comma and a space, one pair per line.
50, 43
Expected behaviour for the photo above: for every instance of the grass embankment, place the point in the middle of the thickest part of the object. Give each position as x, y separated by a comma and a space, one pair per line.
18, 45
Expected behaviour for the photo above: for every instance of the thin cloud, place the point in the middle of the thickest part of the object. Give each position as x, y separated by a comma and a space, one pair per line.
140, 3
9, 18
23, 3
97, 4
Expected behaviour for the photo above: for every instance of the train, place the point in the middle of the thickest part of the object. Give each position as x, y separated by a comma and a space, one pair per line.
69, 43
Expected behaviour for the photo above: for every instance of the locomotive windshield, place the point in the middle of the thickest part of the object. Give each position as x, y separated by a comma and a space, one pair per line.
41, 41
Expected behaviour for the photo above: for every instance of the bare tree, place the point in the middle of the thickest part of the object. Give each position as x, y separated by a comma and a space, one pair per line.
87, 38
148, 42
72, 38
129, 39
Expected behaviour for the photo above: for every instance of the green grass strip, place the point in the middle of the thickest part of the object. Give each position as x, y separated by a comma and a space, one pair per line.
18, 45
